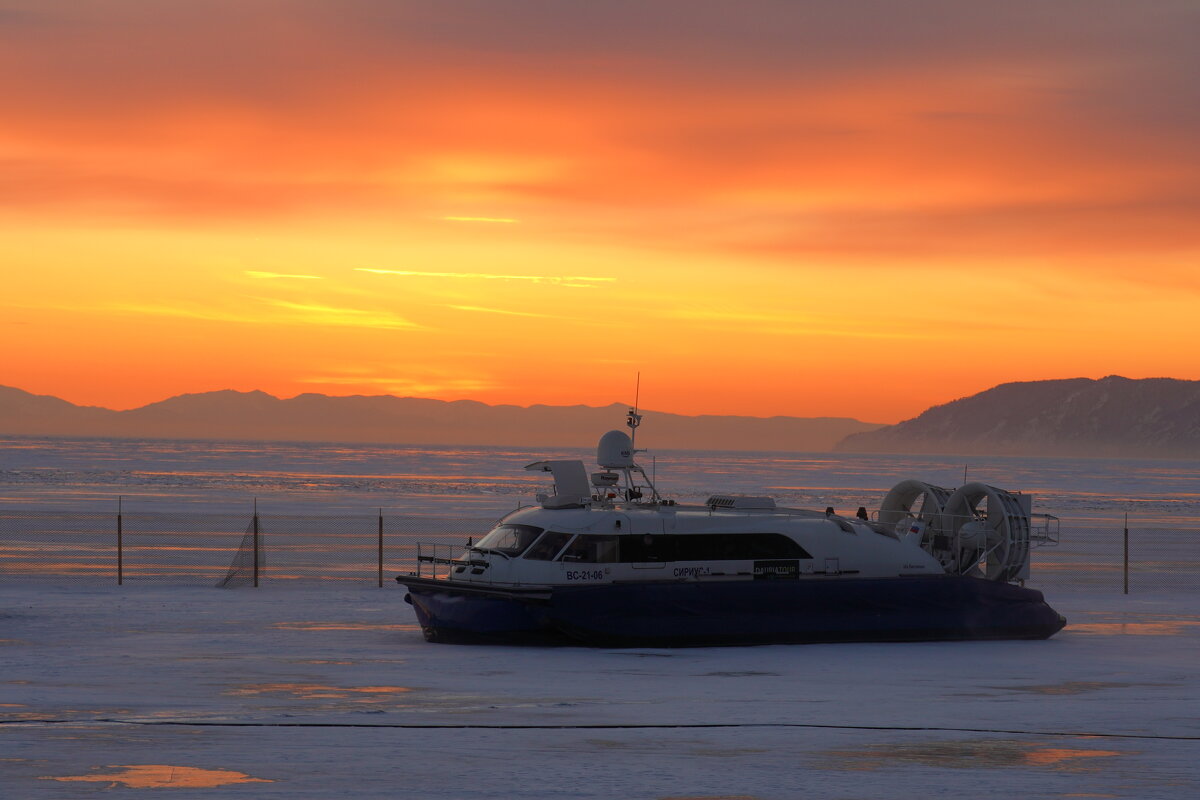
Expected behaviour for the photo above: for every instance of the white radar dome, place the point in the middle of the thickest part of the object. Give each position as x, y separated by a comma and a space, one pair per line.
615, 450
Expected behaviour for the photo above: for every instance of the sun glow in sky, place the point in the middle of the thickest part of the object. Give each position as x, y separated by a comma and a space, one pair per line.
856, 208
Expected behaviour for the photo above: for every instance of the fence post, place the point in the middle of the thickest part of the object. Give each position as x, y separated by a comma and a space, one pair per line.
256, 542
120, 544
1126, 552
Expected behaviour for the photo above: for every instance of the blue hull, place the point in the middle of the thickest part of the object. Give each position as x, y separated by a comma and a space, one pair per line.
679, 614
458, 615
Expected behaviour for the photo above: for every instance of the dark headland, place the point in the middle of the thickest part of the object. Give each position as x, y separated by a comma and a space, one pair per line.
1109, 417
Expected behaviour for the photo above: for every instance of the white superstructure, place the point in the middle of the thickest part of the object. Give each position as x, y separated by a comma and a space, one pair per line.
613, 526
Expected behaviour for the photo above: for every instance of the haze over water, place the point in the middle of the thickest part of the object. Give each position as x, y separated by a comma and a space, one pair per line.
285, 477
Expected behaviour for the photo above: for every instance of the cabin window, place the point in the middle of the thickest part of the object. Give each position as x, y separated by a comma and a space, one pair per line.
735, 546
511, 540
547, 547
592, 550
641, 548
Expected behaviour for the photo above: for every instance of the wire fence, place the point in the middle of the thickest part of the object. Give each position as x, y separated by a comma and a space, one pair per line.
206, 548
200, 548
1132, 559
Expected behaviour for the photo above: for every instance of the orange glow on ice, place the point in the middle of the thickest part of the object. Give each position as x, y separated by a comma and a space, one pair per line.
165, 776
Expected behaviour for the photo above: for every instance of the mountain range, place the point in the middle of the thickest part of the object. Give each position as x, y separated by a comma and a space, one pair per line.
385, 419
1113, 416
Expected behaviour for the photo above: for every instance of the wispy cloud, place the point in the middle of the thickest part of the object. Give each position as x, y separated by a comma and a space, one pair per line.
576, 281
886, 335
211, 314
784, 325
422, 386
298, 313
273, 275
483, 310
354, 317
505, 220
721, 315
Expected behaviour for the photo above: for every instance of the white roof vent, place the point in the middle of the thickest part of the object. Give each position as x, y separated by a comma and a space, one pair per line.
739, 501
571, 487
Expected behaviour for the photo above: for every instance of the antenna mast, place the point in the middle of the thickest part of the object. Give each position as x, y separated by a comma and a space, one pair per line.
634, 418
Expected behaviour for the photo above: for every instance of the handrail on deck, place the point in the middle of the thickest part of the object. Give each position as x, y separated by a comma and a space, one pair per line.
1045, 534
442, 554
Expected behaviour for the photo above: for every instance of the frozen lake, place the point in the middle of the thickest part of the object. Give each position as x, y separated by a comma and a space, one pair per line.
88, 475
294, 691
187, 504
320, 685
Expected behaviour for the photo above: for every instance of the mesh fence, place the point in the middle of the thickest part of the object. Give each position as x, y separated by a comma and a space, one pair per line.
1158, 558
249, 561
48, 543
205, 549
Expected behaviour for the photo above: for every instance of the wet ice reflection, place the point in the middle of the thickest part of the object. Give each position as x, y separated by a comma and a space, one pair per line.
316, 691
968, 755
1045, 756
162, 776
345, 626
1164, 628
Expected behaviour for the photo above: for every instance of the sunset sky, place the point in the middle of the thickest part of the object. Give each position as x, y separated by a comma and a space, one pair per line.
807, 208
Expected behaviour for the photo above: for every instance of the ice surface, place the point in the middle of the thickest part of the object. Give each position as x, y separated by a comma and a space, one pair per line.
326, 689
329, 692
292, 477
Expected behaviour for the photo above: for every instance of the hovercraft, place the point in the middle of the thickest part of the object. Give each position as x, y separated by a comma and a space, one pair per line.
604, 560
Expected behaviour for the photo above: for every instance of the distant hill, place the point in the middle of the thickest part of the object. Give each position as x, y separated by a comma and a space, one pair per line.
1113, 416
408, 420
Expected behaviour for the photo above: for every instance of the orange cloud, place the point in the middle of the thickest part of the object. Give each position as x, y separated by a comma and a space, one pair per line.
554, 279
275, 275
800, 190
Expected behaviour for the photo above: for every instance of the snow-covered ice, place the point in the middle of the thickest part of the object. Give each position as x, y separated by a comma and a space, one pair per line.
317, 691
322, 688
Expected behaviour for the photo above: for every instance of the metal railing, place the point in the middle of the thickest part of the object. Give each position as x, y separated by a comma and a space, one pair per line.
435, 554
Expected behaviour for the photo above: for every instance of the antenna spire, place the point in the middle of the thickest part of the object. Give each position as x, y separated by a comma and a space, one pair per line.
633, 419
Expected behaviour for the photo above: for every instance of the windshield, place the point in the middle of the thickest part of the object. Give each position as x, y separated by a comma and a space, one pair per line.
511, 540
547, 547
